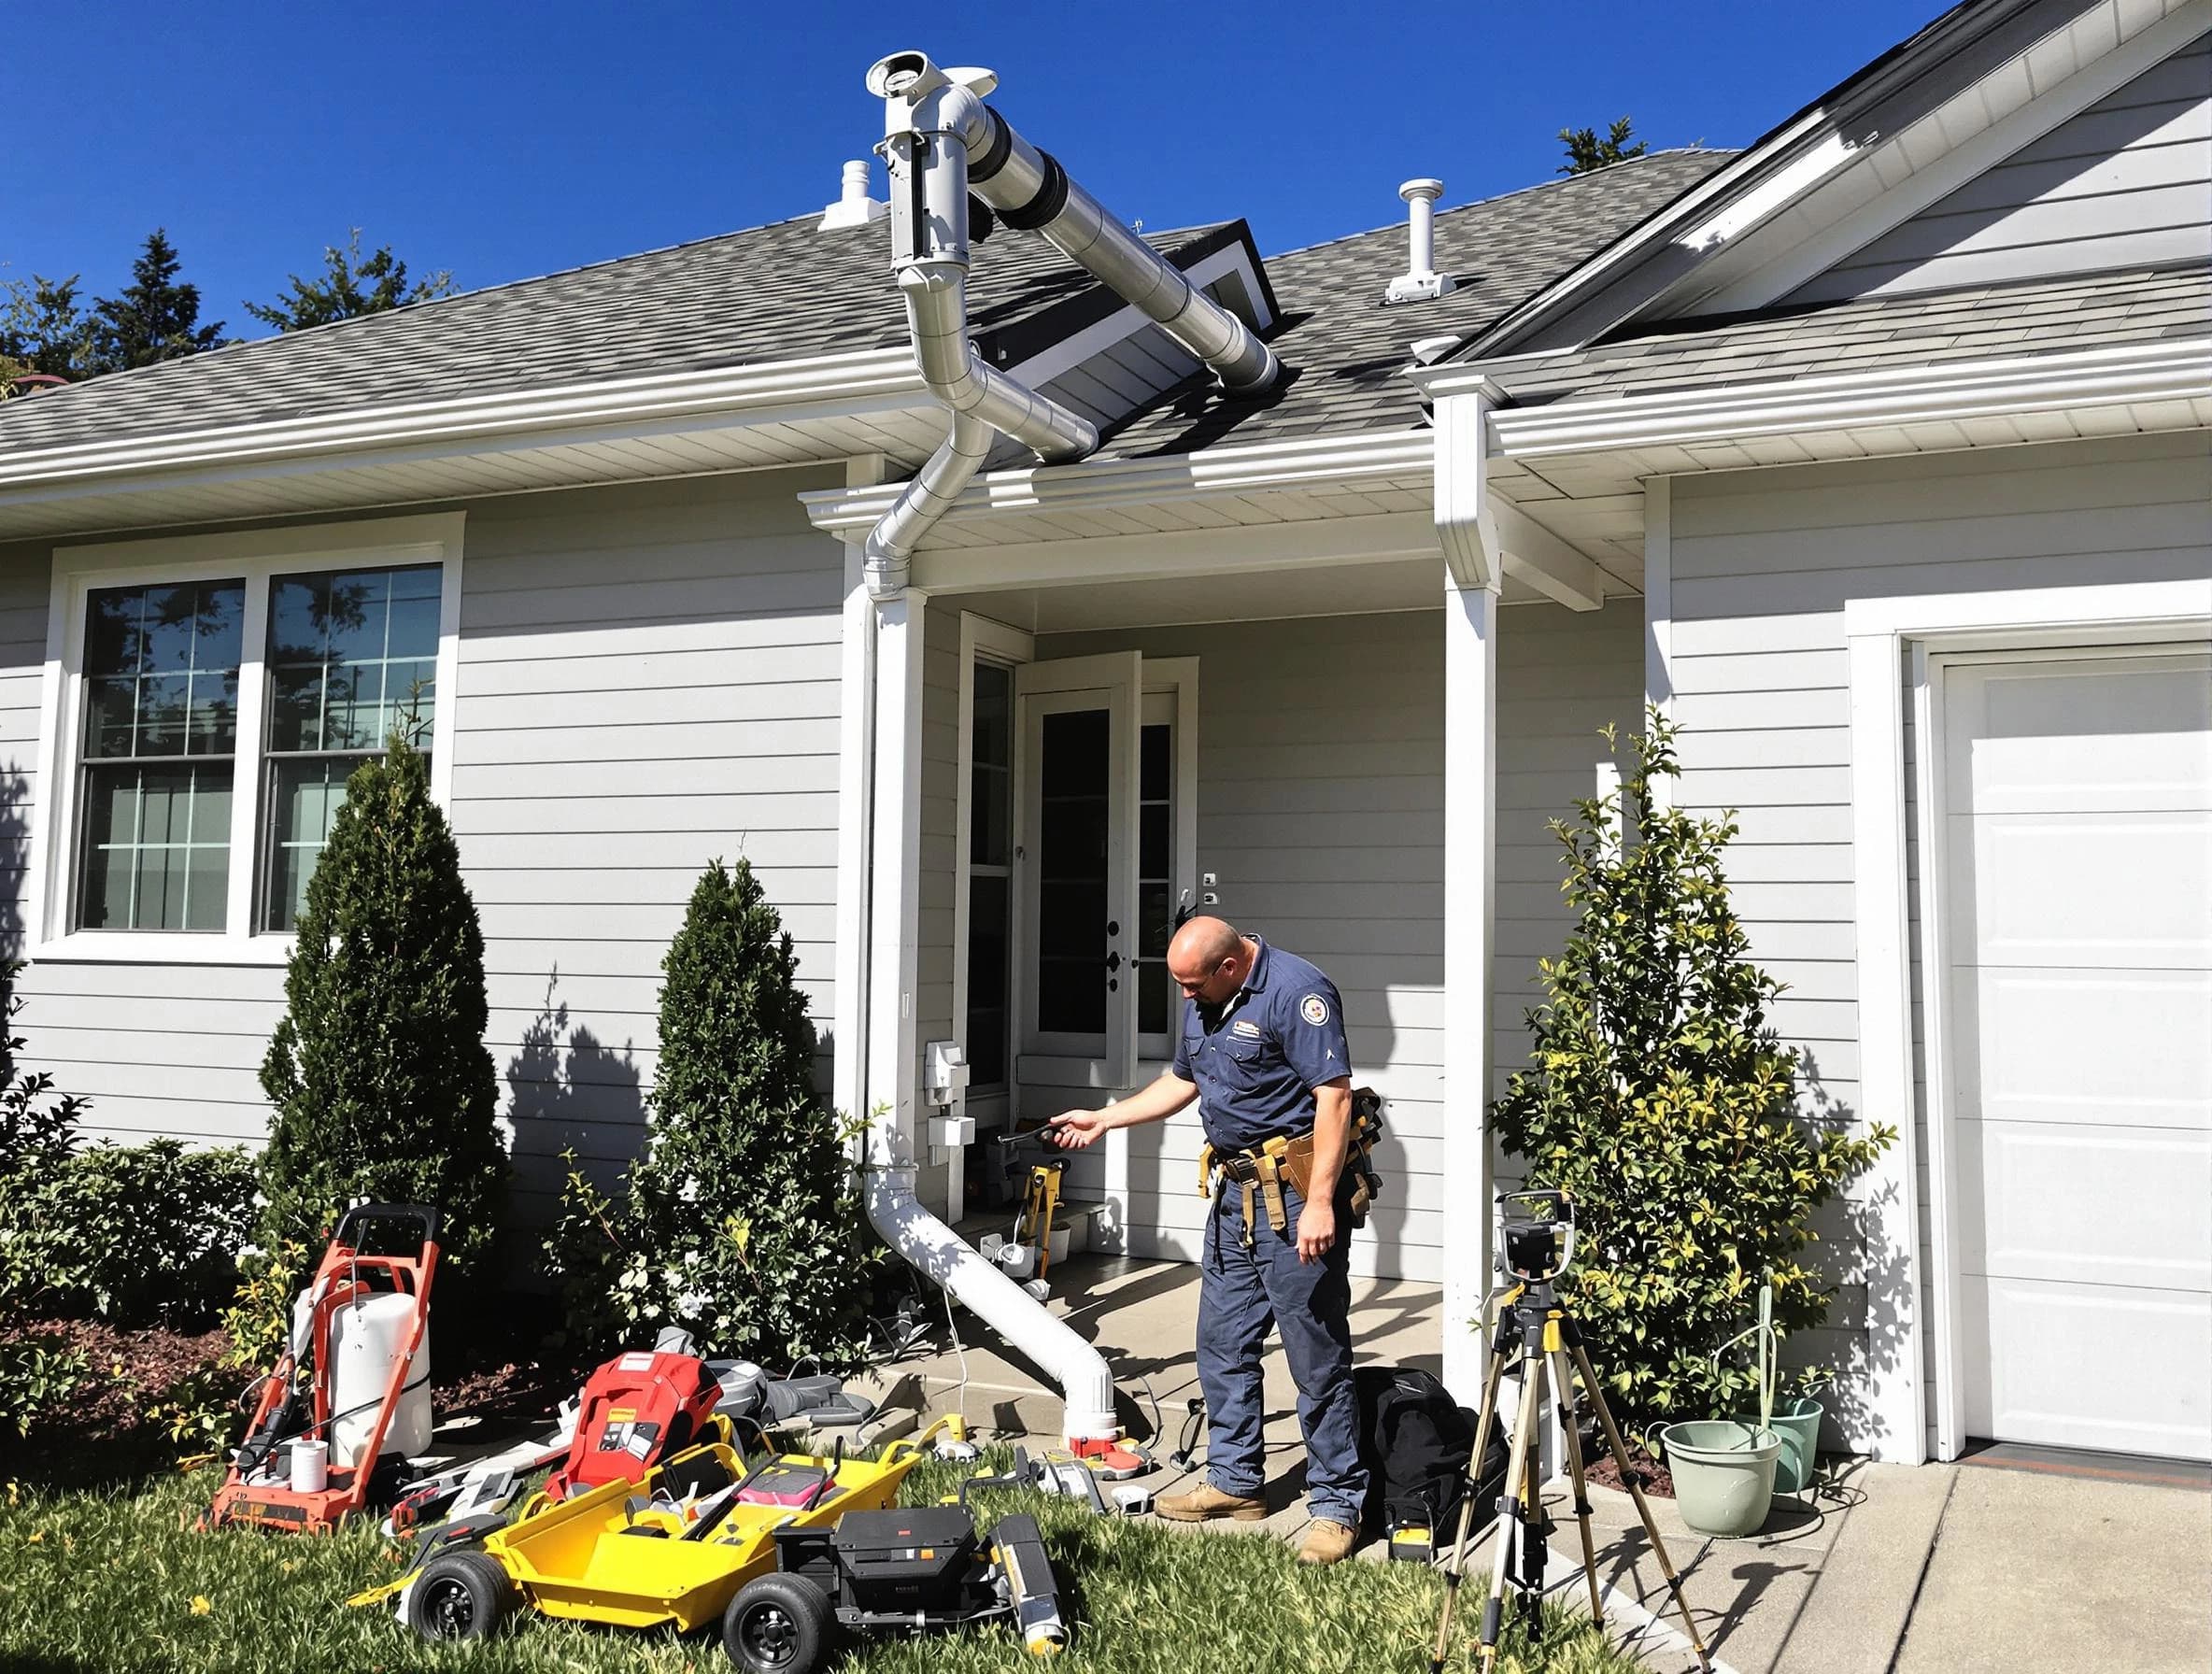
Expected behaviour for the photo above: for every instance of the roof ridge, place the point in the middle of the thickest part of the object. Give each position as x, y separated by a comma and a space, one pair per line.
1499, 197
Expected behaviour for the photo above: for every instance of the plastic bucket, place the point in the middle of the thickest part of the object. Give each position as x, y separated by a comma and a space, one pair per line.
1797, 1421
1723, 1473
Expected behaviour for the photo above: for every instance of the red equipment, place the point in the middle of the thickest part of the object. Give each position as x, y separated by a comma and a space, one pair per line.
638, 1410
296, 1401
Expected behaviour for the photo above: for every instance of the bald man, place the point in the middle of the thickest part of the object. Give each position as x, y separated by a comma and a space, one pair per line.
1263, 1051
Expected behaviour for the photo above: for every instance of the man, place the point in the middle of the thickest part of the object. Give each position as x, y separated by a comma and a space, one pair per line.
1263, 1051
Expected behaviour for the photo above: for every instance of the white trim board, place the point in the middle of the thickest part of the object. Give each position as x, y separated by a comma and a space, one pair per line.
1879, 633
256, 554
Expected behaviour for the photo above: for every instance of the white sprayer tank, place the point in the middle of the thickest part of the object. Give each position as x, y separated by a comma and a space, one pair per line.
367, 1337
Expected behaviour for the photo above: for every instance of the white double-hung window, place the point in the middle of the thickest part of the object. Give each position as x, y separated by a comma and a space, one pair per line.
205, 699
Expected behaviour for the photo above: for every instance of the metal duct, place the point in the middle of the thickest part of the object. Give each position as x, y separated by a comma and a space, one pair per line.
942, 140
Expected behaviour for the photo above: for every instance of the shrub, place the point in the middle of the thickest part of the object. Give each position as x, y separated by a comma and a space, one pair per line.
36, 1132
740, 1222
136, 1235
382, 1087
1662, 1100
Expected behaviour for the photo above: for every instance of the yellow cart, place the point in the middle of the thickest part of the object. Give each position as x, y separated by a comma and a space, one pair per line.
671, 1549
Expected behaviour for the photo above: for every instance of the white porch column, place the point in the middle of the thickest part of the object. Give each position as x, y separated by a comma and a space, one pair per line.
1470, 870
894, 893
848, 1074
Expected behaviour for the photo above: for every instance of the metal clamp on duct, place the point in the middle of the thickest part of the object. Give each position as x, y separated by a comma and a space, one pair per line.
942, 141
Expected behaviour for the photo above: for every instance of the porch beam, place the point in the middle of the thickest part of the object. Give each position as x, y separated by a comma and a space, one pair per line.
1241, 548
1470, 870
1544, 561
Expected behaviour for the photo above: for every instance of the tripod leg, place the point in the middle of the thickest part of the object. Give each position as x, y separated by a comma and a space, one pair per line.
1612, 1435
1456, 1568
1564, 1387
1516, 1468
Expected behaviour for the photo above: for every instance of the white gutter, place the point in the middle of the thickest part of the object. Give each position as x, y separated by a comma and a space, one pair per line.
2169, 370
867, 376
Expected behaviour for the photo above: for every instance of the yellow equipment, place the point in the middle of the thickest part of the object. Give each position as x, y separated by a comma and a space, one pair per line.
673, 1549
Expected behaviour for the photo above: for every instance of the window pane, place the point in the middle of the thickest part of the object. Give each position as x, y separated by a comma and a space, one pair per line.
986, 981
350, 710
295, 619
110, 705
356, 611
167, 630
991, 732
304, 798
415, 624
348, 650
1156, 753
111, 633
157, 846
214, 722
1152, 999
1152, 842
162, 699
295, 707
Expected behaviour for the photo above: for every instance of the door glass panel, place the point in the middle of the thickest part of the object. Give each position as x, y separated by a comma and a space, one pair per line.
1155, 874
1072, 875
987, 980
991, 775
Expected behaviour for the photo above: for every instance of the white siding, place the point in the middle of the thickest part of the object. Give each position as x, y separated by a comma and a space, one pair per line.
1763, 563
2127, 183
648, 679
1320, 806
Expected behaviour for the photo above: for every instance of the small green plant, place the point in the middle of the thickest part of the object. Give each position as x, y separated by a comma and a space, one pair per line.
1661, 1099
740, 1222
382, 1087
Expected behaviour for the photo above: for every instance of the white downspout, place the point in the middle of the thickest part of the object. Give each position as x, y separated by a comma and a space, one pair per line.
880, 786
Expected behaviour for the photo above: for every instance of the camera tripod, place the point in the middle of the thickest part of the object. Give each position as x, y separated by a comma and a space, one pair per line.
1536, 1342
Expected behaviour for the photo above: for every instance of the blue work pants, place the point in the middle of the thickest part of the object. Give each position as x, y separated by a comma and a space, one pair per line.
1241, 1291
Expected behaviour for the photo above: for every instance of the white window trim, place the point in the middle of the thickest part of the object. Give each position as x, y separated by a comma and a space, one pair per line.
256, 554
993, 642
1878, 633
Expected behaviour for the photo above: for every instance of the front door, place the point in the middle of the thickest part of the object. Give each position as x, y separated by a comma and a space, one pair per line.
1076, 854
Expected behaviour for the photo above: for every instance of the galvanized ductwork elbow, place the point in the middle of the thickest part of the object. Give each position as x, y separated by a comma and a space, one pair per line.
943, 142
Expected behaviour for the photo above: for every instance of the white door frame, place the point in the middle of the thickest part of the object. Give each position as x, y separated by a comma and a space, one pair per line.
1878, 633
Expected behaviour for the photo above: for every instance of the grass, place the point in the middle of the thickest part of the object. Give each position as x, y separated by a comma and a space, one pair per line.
118, 1580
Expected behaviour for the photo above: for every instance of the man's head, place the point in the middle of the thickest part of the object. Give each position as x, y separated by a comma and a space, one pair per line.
1209, 961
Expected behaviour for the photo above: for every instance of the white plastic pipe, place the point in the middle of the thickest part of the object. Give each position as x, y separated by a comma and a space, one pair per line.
875, 1068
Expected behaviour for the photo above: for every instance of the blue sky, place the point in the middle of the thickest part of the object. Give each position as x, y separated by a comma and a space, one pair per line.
504, 140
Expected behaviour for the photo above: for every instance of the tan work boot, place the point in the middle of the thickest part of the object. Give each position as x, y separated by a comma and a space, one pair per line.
1326, 1543
1206, 1502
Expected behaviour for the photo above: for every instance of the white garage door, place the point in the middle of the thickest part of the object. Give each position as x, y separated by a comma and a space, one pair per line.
2078, 921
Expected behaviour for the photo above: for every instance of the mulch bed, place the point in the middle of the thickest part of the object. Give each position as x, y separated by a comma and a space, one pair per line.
1652, 1476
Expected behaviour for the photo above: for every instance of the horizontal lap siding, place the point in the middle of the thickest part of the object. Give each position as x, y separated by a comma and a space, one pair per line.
1763, 563
649, 681
2127, 183
1320, 811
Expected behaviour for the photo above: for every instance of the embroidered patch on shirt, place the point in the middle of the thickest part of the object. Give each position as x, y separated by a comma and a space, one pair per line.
1314, 1010
1246, 1028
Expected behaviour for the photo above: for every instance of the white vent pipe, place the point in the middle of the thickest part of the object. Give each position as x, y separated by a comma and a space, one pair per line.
943, 141
854, 206
1421, 281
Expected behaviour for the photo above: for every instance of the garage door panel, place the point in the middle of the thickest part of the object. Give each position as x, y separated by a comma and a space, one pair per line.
2091, 1206
2053, 889
2082, 1047
2044, 736
2090, 1365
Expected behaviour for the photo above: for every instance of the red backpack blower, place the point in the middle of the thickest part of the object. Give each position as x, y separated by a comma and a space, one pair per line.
352, 1384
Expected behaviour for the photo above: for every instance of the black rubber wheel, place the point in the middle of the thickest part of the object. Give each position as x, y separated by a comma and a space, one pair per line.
777, 1625
461, 1595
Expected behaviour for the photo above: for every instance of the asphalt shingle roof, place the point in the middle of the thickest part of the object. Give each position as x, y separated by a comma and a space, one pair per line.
1972, 322
1349, 354
782, 291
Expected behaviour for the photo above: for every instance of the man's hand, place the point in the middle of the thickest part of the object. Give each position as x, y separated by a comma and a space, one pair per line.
1075, 1130
1318, 1230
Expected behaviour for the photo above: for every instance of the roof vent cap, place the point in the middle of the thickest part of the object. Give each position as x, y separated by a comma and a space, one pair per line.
1420, 281
855, 208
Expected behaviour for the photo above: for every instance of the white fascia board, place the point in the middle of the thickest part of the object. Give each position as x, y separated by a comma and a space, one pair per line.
867, 376
1306, 463
2175, 369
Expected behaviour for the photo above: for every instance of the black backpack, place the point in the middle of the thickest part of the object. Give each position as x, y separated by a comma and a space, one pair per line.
1416, 1442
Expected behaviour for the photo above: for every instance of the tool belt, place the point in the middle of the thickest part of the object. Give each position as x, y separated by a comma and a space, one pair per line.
1262, 1170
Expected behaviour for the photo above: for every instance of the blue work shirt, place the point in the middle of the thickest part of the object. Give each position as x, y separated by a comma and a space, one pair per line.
1258, 1060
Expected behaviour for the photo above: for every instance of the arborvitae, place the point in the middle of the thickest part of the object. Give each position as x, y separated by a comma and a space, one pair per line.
382, 1087
1659, 1097
740, 1222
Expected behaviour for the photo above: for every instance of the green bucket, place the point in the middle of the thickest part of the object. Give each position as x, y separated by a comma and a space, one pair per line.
1797, 1421
1723, 1473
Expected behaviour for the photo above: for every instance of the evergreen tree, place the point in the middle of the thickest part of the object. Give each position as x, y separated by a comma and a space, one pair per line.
382, 1088
1659, 1098
155, 318
349, 285
1586, 150
44, 329
740, 1222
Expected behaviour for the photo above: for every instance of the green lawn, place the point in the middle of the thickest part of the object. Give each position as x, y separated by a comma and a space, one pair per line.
94, 1583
